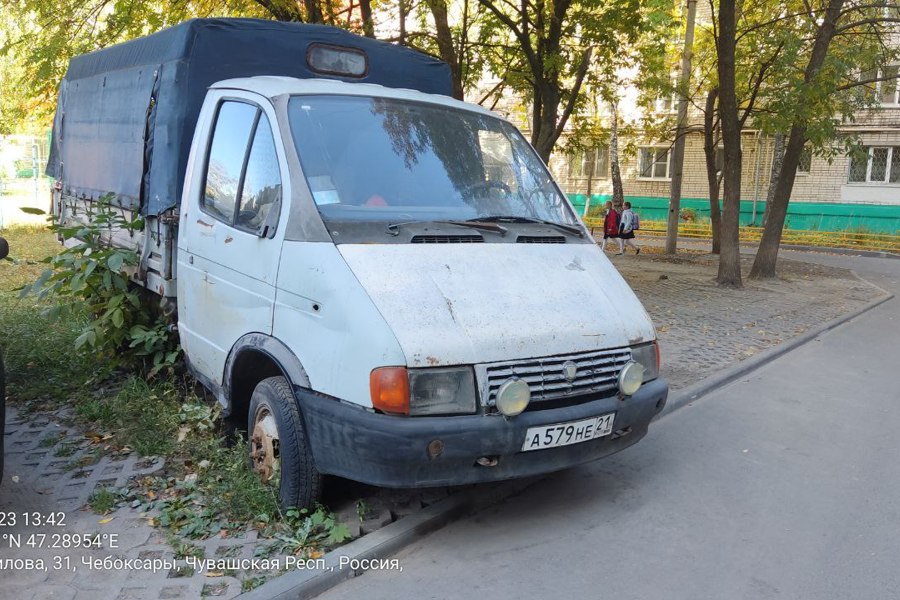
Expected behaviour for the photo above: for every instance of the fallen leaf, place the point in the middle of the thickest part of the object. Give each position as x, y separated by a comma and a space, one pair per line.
105, 521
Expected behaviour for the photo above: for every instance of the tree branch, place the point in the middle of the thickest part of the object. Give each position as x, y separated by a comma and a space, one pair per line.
524, 41
576, 88
758, 83
861, 83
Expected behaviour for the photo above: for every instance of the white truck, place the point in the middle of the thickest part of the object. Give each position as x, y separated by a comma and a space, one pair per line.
383, 283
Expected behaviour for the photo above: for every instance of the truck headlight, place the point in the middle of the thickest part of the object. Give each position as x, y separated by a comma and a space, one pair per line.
442, 391
647, 355
630, 378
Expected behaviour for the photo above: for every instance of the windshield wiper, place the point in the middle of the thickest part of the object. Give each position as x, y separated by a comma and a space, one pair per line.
574, 230
394, 228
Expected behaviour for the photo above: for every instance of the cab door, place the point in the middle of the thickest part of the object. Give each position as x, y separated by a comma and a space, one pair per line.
231, 243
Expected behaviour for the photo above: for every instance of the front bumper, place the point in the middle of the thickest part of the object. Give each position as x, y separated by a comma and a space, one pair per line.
390, 451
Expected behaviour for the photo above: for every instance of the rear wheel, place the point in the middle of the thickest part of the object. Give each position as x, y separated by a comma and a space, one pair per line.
279, 447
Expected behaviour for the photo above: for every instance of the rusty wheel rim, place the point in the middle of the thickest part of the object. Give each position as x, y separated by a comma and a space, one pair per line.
264, 442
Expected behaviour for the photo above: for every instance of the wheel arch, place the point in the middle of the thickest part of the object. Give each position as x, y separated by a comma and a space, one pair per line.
254, 357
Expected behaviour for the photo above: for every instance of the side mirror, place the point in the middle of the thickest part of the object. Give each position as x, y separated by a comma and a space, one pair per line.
4, 248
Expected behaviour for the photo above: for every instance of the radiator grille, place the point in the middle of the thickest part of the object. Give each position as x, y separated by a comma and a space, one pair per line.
595, 372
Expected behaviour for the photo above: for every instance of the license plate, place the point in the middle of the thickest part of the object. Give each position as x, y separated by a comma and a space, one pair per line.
565, 434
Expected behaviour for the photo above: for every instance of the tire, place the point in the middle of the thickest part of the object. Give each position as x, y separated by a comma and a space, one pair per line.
279, 447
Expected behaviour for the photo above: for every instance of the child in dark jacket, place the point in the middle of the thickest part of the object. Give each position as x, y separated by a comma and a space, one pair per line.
611, 227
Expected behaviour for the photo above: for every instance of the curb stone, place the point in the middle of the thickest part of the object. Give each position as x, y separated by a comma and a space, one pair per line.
842, 251
385, 542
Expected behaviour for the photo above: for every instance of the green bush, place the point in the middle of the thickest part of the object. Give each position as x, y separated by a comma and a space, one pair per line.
688, 215
92, 276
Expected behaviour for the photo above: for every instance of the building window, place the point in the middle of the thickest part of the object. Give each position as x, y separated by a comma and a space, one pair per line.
654, 163
720, 160
580, 164
666, 103
875, 165
888, 91
805, 164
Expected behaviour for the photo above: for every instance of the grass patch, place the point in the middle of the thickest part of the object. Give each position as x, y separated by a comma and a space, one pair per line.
51, 440
66, 449
142, 416
186, 549
103, 501
40, 363
251, 583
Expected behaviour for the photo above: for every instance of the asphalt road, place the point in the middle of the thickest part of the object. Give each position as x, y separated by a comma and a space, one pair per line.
783, 484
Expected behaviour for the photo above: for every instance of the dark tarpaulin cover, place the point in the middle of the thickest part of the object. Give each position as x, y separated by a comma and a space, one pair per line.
126, 114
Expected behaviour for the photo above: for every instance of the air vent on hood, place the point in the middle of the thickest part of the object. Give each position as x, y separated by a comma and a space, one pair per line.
541, 239
447, 239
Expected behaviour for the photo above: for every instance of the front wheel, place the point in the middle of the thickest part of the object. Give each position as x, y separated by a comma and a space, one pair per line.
279, 447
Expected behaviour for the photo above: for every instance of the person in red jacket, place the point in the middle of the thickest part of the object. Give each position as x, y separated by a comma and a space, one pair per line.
611, 227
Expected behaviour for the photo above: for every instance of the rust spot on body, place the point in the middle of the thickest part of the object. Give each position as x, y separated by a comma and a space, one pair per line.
229, 239
431, 360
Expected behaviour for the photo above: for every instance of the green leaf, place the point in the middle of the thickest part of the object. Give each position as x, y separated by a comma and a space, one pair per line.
88, 337
115, 262
338, 533
32, 211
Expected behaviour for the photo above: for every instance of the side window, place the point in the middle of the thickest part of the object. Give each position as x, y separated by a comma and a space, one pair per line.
262, 182
226, 159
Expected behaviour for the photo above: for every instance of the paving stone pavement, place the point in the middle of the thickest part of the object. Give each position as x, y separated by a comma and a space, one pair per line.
53, 466
704, 328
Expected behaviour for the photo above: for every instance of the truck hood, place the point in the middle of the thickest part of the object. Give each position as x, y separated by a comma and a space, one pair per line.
451, 304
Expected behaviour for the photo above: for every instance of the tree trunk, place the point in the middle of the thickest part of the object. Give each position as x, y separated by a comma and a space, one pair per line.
777, 159
402, 11
365, 9
445, 44
544, 137
712, 176
590, 182
677, 162
615, 171
313, 11
767, 254
730, 251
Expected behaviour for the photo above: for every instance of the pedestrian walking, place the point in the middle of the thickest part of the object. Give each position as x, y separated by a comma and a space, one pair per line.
611, 227
629, 223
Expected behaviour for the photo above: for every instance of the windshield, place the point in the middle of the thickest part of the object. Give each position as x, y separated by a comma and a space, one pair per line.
394, 161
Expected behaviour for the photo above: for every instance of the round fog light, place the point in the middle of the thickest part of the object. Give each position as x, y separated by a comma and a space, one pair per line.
630, 378
513, 397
